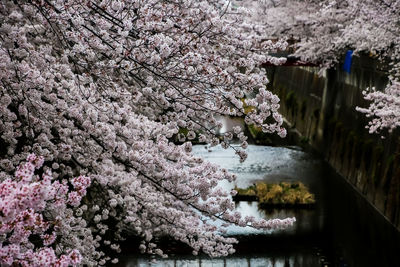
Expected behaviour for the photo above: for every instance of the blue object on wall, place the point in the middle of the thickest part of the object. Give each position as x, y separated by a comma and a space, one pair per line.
347, 61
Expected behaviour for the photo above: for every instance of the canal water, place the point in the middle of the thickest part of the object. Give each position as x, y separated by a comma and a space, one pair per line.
342, 230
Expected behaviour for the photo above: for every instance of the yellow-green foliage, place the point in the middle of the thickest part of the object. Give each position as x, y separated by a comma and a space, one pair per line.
282, 193
250, 191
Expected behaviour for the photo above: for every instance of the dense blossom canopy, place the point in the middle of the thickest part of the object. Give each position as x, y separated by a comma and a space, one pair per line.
322, 30
100, 89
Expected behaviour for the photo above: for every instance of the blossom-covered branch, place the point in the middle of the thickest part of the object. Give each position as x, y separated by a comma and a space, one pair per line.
102, 89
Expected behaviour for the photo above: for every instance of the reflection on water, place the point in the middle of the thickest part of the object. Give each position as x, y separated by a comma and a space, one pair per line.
272, 164
342, 230
254, 261
264, 163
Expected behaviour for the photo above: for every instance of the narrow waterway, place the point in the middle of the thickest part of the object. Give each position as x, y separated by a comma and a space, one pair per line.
342, 229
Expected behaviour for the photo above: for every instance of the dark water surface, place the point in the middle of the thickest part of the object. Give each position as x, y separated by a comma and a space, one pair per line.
342, 230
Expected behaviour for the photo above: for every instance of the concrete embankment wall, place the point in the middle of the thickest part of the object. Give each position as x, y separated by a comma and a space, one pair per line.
322, 110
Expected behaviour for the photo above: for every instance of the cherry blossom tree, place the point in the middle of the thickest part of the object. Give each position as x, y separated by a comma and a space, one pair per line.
322, 31
101, 89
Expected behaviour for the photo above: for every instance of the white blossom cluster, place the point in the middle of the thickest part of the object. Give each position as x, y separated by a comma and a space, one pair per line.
384, 109
101, 88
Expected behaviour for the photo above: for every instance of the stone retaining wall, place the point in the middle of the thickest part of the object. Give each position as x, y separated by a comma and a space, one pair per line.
322, 110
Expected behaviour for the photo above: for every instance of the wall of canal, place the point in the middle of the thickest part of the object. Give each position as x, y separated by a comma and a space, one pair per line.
321, 109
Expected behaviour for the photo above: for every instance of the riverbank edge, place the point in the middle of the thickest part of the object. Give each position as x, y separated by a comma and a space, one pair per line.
320, 116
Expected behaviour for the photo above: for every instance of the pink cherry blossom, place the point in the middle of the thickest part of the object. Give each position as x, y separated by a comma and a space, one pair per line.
27, 209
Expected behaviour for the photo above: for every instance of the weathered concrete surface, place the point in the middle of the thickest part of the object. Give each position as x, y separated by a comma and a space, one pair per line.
322, 110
